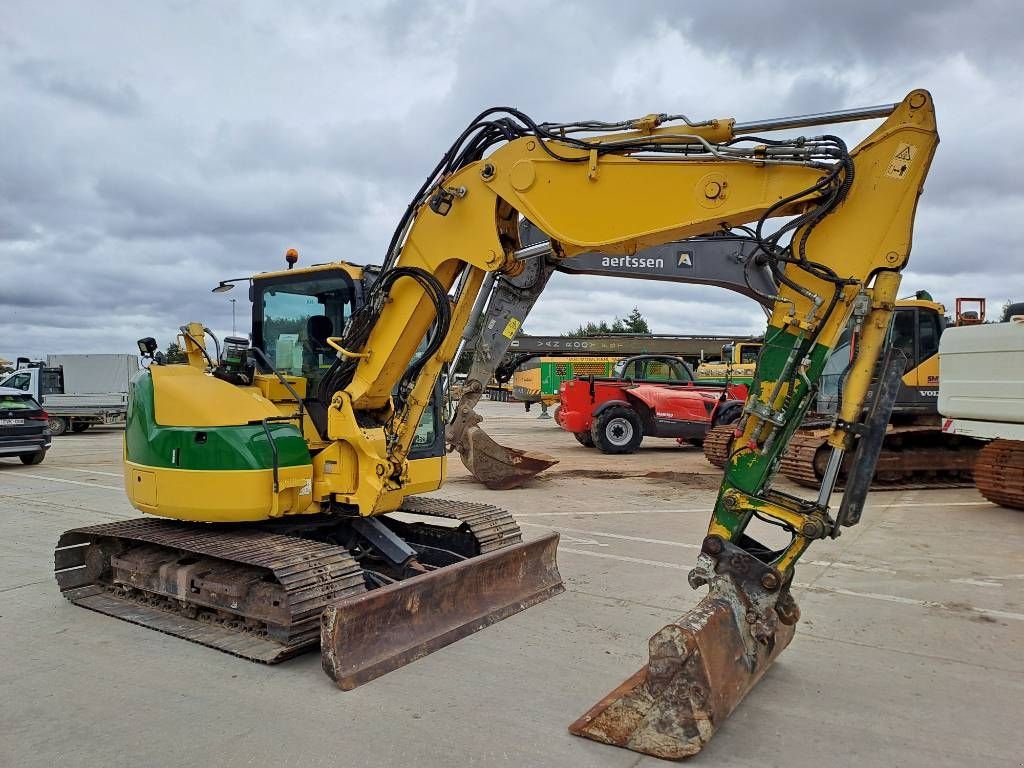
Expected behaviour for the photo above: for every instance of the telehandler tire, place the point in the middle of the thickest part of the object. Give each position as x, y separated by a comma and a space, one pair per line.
617, 430
584, 438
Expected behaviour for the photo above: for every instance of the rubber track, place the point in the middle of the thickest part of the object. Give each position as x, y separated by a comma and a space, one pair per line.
999, 473
492, 527
312, 574
717, 442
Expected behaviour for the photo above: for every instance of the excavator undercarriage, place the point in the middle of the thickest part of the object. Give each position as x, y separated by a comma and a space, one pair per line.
913, 457
259, 590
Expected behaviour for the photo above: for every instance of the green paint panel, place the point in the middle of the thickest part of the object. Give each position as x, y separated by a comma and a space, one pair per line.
222, 448
750, 471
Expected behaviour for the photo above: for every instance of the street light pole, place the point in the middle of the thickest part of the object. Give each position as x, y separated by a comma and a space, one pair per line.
232, 317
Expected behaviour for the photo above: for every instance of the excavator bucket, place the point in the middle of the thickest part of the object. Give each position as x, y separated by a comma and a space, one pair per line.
374, 633
700, 668
494, 465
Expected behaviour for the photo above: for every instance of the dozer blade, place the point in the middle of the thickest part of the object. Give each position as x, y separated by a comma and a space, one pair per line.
700, 668
367, 636
494, 465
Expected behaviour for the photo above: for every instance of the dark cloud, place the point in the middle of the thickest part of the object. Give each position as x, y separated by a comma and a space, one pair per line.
877, 33
150, 150
65, 80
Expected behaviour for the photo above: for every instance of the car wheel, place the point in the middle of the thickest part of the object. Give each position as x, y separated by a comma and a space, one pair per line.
80, 426
618, 430
58, 425
32, 458
584, 438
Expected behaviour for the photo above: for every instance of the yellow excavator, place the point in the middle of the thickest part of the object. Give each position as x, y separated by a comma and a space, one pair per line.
282, 480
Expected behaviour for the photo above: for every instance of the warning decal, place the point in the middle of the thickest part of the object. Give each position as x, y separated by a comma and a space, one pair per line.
510, 328
900, 164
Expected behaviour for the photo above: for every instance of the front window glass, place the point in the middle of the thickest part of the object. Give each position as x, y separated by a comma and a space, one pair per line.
748, 353
928, 322
19, 381
297, 318
634, 370
903, 334
666, 370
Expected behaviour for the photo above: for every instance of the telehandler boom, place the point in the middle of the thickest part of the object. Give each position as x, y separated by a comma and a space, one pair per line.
342, 454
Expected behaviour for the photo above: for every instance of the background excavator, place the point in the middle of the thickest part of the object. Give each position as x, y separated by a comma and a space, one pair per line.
281, 505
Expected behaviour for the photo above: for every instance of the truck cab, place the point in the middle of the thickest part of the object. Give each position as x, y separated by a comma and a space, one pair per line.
77, 390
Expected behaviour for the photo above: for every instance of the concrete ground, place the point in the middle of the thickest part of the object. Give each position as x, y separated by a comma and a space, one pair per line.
910, 652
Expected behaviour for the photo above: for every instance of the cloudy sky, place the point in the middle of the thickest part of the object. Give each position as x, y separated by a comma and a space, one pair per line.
148, 150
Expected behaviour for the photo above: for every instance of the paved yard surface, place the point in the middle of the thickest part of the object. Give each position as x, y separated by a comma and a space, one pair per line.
910, 653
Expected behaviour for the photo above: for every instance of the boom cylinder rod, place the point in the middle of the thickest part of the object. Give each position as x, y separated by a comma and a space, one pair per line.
818, 118
532, 251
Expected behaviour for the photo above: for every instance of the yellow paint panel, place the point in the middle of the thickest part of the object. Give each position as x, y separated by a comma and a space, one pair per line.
528, 380
924, 375
272, 389
141, 485
184, 396
209, 496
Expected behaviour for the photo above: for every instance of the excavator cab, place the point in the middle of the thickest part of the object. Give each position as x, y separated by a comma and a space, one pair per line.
296, 312
916, 327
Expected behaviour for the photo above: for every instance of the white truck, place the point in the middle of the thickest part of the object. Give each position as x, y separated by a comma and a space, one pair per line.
77, 390
981, 396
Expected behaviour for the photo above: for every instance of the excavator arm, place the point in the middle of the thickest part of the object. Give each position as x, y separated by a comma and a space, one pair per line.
457, 264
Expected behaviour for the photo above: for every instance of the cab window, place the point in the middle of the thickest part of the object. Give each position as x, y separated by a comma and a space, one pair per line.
634, 370
903, 334
294, 319
667, 370
20, 381
928, 337
749, 353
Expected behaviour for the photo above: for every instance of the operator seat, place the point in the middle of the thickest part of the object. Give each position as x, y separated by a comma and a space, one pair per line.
318, 329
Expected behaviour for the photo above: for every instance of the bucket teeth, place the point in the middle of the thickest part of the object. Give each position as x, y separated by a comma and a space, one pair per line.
700, 668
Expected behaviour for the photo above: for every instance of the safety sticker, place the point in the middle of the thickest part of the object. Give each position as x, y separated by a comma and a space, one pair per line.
511, 328
899, 166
